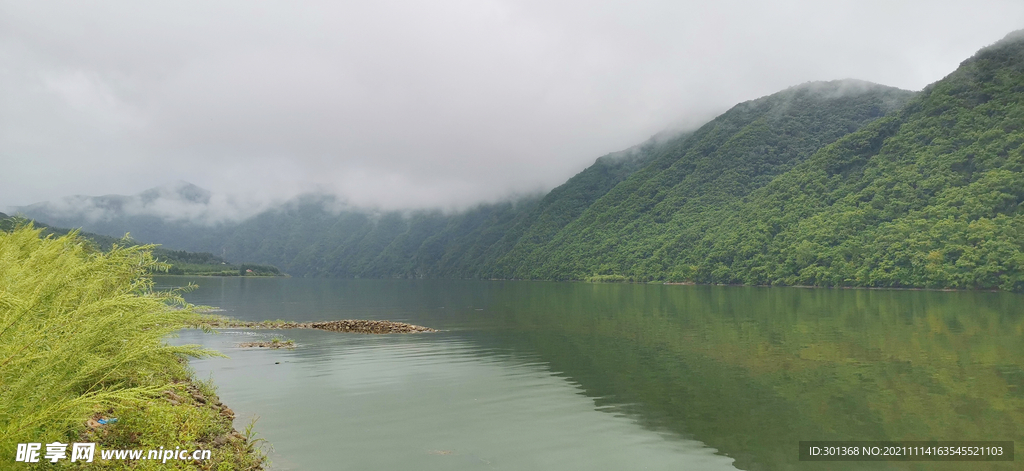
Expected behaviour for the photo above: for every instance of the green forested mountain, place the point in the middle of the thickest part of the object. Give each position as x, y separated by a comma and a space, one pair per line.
926, 197
832, 183
638, 228
566, 203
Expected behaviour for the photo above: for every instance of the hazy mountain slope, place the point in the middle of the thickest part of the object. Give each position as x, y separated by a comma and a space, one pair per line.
304, 237
632, 230
927, 197
181, 262
564, 204
177, 215
394, 244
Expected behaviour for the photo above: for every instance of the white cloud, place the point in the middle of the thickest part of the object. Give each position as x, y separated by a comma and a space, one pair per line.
406, 104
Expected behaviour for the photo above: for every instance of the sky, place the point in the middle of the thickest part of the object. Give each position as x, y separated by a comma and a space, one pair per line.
417, 104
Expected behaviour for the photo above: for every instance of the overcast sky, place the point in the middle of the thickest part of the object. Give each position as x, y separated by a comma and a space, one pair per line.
399, 104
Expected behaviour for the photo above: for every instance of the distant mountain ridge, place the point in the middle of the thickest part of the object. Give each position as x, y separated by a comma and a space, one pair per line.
181, 201
842, 183
181, 262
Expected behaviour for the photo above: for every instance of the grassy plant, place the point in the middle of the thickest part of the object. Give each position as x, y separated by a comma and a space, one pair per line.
279, 342
190, 416
81, 332
256, 445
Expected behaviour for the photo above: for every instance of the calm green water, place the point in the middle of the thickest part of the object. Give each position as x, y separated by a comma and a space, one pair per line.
566, 376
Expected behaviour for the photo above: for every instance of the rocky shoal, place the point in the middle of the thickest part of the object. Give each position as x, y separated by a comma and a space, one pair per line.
347, 325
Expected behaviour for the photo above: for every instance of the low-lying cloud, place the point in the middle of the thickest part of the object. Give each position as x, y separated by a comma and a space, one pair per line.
179, 201
406, 104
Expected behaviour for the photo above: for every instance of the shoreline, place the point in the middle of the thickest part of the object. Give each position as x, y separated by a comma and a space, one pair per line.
207, 275
877, 288
193, 405
678, 283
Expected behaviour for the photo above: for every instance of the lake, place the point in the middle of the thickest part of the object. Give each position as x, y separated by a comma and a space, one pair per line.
579, 376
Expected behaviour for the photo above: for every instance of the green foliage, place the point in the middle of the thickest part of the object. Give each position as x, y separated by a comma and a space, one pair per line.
82, 335
248, 269
78, 330
606, 279
517, 249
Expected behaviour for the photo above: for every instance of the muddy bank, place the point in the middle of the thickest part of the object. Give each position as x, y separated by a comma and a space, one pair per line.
347, 325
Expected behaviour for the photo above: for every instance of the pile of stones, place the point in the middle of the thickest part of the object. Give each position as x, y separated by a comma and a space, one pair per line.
369, 327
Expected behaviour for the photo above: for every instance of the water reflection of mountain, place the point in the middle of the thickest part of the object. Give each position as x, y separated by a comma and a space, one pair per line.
748, 371
752, 371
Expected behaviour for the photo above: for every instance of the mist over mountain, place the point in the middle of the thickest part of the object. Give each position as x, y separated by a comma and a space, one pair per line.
401, 105
316, 234
926, 196
841, 183
179, 201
